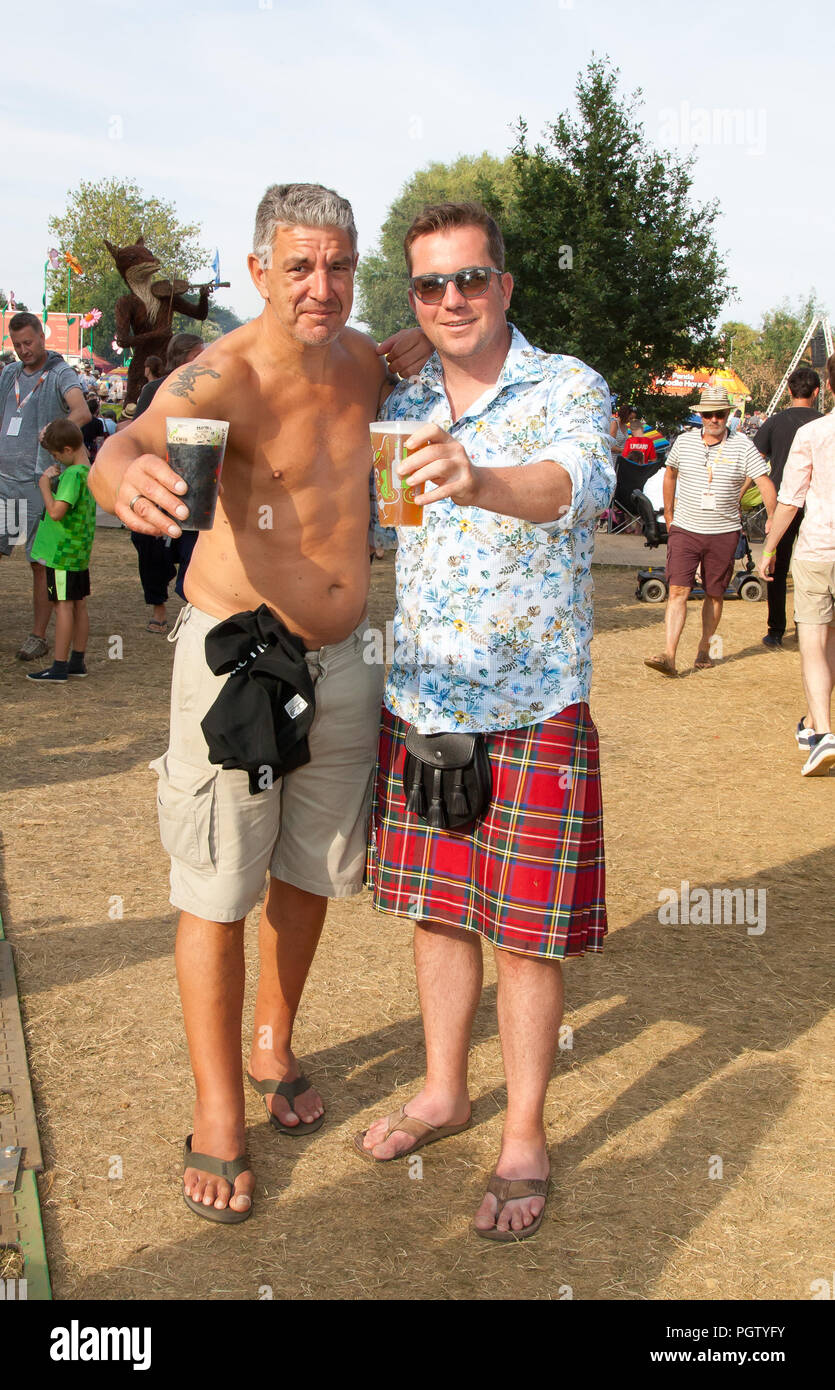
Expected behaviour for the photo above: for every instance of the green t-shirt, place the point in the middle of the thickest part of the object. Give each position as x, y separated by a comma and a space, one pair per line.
66, 544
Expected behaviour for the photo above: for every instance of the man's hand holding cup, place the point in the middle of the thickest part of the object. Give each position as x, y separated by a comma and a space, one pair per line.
434, 456
156, 493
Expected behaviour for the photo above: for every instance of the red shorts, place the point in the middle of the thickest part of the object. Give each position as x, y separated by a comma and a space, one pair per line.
686, 550
530, 875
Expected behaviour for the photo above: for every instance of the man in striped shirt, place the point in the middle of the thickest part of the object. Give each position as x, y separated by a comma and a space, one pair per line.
707, 472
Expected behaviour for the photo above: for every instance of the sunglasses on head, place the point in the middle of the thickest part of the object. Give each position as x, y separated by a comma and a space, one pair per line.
714, 414
472, 283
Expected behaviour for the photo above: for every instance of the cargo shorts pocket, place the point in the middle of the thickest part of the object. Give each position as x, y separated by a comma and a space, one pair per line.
187, 810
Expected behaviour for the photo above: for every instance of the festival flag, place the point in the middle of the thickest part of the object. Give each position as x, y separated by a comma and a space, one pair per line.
216, 266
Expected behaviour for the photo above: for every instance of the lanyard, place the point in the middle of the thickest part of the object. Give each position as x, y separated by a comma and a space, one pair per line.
714, 464
21, 408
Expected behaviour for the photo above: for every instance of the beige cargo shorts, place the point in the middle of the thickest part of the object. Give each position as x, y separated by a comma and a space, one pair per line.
814, 591
309, 828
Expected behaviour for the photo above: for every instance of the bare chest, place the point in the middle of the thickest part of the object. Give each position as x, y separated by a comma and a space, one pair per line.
303, 439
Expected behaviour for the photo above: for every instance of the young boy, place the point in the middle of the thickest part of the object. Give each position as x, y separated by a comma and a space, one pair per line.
63, 543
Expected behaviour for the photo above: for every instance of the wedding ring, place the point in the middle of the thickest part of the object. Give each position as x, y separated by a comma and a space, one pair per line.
135, 499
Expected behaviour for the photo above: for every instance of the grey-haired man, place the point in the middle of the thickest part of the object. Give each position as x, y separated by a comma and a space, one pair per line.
707, 471
299, 389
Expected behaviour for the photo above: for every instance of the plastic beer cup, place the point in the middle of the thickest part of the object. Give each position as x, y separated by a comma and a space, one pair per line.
195, 451
396, 504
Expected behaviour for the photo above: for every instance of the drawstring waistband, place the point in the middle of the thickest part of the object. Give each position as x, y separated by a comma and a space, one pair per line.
181, 618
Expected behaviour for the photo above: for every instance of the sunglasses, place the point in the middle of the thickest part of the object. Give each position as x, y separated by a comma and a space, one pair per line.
472, 283
714, 414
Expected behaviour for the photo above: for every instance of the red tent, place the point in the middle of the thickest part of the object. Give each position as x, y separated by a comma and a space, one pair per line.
100, 362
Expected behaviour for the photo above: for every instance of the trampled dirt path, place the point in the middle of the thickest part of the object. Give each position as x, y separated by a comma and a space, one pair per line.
692, 1044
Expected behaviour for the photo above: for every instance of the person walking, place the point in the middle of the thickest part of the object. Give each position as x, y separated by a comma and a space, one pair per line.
774, 440
706, 470
809, 480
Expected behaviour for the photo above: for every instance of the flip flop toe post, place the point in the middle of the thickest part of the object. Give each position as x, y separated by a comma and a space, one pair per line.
420, 1130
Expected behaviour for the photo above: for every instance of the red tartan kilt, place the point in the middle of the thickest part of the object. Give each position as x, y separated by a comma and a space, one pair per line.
529, 876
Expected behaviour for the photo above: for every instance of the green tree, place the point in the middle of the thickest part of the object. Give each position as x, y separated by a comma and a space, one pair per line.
612, 260
381, 277
220, 321
761, 356
119, 210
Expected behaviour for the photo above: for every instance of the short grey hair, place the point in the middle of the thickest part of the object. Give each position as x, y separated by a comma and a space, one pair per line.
299, 205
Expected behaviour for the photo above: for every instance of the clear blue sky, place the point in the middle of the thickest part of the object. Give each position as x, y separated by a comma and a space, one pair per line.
219, 99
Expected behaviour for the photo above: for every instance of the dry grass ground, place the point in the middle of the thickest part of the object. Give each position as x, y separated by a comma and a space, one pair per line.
690, 1043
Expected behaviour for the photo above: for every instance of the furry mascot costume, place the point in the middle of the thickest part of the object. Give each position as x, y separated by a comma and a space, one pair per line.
143, 317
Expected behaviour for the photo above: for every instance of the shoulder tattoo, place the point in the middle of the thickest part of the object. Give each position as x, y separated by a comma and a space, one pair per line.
187, 377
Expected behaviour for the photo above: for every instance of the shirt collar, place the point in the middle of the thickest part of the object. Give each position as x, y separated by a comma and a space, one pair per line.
521, 364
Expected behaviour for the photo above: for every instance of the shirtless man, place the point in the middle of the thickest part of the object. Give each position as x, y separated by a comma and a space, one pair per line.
298, 389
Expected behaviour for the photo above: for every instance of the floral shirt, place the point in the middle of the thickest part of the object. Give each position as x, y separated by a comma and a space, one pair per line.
494, 614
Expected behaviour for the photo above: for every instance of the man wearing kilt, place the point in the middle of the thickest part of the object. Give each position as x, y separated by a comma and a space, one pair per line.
492, 634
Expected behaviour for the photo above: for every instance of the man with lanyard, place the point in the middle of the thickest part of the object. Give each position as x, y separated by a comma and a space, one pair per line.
774, 440
707, 471
33, 392
492, 633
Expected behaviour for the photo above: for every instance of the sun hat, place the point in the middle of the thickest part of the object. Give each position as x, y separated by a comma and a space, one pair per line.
713, 398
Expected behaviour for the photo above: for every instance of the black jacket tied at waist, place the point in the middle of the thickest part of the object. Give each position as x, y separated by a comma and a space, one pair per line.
263, 714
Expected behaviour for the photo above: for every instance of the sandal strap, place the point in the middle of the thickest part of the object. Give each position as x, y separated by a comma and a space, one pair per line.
407, 1124
229, 1168
510, 1189
288, 1089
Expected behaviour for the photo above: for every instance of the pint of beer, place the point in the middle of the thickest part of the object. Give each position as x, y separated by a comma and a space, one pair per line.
396, 504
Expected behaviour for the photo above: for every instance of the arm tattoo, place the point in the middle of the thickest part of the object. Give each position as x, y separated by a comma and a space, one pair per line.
185, 383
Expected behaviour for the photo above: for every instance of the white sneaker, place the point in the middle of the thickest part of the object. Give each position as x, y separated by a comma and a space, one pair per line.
821, 757
804, 734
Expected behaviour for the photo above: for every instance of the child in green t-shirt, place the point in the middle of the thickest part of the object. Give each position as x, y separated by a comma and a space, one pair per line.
63, 543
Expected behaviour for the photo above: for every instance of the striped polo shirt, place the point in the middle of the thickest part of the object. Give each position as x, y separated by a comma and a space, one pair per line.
718, 470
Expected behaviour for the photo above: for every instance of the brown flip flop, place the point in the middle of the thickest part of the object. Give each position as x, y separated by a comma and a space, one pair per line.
420, 1130
661, 664
230, 1169
289, 1090
508, 1190
703, 662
